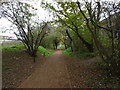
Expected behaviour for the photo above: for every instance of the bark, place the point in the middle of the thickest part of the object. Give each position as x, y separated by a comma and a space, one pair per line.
71, 40
65, 45
94, 36
87, 45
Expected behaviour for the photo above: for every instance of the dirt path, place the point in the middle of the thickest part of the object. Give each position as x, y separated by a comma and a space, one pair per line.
52, 74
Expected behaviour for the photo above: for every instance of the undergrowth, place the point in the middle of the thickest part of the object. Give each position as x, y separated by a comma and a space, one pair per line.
41, 49
106, 76
44, 51
78, 54
13, 48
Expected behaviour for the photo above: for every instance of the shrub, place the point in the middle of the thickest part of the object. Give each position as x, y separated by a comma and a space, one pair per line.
78, 54
44, 51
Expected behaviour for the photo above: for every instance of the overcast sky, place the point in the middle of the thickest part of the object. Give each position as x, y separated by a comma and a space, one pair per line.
43, 14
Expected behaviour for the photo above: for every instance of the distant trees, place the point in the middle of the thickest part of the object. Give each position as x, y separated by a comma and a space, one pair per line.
52, 39
30, 33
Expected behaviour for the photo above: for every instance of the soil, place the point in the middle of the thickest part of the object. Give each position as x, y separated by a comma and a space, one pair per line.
85, 73
82, 73
16, 67
52, 74
56, 71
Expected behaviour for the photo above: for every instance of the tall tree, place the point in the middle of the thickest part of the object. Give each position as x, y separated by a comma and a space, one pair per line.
104, 16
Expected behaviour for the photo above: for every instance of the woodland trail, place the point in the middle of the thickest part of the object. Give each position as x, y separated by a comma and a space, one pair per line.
52, 74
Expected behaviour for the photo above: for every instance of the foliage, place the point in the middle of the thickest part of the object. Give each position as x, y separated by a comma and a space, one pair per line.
107, 77
80, 54
110, 54
68, 52
31, 33
61, 46
44, 51
53, 38
95, 24
68, 15
13, 48
84, 29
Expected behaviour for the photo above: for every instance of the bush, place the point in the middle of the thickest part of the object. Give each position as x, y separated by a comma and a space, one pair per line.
68, 52
61, 47
44, 51
78, 54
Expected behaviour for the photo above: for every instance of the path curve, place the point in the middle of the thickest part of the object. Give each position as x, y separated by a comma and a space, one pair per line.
52, 74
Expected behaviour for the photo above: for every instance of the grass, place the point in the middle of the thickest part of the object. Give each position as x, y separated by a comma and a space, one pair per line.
44, 51
16, 48
13, 48
80, 54
41, 49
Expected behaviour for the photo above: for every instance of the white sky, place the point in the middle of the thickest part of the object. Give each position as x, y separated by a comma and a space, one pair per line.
42, 14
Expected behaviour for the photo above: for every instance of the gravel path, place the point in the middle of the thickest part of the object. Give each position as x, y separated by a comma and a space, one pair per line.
52, 74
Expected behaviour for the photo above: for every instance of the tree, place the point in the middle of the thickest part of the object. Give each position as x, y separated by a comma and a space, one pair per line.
67, 13
71, 40
53, 39
20, 15
103, 17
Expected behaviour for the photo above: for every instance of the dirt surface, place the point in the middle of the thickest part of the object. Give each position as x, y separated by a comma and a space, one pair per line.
82, 73
16, 67
56, 71
85, 73
52, 74
60, 71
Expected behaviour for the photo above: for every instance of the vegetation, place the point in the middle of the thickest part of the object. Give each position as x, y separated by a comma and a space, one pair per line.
21, 14
41, 49
13, 48
44, 51
110, 58
83, 29
81, 54
87, 31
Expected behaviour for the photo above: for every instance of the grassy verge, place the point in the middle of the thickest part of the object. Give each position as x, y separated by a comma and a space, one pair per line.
82, 55
13, 48
44, 51
41, 49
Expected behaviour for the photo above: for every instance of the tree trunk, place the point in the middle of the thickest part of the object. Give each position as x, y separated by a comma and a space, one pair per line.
65, 45
71, 40
87, 45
